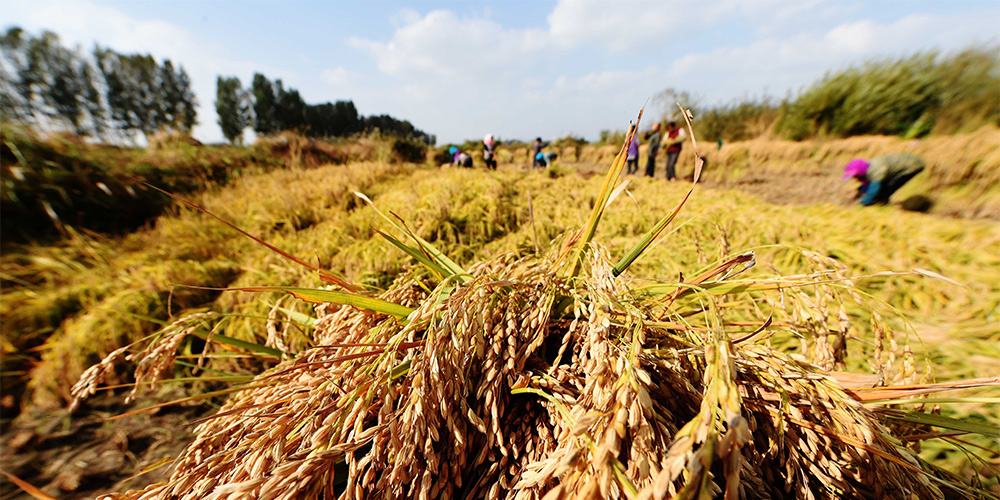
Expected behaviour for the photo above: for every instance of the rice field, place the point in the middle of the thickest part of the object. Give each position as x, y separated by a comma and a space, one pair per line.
573, 365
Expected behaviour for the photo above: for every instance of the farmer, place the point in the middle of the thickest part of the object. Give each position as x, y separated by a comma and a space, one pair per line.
536, 148
489, 152
883, 175
675, 137
544, 160
653, 136
632, 160
459, 159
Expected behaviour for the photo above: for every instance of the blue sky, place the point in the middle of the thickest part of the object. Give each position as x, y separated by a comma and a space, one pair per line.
517, 69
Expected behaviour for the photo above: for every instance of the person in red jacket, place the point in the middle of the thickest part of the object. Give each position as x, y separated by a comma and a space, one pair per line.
673, 140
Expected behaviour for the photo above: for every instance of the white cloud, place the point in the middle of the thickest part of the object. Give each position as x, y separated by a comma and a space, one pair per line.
339, 77
628, 25
855, 37
777, 64
442, 45
645, 24
790, 17
405, 16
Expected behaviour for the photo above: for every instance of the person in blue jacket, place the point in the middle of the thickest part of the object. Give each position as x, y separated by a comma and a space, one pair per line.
883, 176
544, 160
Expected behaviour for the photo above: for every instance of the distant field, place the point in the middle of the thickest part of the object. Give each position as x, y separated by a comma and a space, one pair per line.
73, 302
962, 176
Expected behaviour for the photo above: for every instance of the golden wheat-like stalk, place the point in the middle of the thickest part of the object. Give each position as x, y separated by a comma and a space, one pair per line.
488, 391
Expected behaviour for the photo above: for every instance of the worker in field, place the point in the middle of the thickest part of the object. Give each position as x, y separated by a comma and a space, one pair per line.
653, 137
673, 141
489, 152
536, 148
544, 160
632, 155
459, 158
883, 175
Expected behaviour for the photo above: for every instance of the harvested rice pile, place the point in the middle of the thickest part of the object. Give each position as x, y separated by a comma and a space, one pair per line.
484, 394
500, 400
559, 376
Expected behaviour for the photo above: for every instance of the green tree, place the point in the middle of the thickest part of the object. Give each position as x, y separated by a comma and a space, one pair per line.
123, 101
13, 105
263, 105
178, 98
44, 83
401, 128
143, 96
64, 87
332, 119
290, 109
232, 109
93, 102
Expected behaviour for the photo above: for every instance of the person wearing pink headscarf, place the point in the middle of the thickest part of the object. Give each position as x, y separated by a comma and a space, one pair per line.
489, 152
882, 176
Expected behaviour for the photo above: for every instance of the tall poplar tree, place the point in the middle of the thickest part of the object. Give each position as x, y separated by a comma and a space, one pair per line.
231, 107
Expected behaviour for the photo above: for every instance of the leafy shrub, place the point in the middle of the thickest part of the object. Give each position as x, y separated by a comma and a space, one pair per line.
738, 120
910, 96
441, 155
612, 137
408, 151
576, 143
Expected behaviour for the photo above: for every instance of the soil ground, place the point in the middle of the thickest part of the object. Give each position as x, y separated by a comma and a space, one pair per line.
791, 187
83, 455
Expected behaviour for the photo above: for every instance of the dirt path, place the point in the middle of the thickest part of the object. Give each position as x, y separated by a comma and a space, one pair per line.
788, 187
805, 188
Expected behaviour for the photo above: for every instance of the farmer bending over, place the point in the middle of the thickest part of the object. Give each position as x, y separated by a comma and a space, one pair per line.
459, 158
536, 148
883, 175
544, 160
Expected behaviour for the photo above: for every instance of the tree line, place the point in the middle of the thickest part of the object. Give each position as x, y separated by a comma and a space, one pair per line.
268, 107
52, 87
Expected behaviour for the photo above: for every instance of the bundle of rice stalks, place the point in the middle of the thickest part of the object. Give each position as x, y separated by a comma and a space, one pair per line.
555, 376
